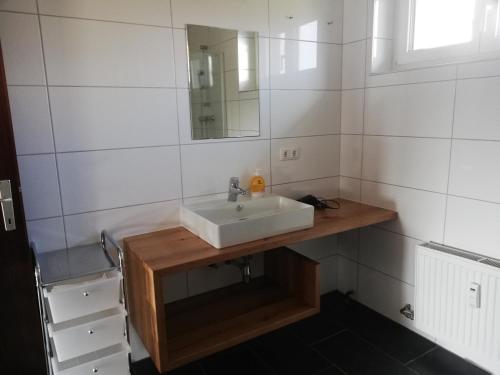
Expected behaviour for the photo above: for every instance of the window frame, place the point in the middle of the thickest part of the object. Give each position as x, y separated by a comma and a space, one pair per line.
406, 57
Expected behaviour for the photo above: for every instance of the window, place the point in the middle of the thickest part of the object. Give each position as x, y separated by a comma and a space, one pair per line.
443, 31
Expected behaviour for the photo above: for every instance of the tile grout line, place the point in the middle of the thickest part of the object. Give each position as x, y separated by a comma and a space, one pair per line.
371, 268
328, 361
421, 355
162, 201
423, 190
339, 182
450, 157
340, 115
204, 142
106, 209
181, 172
373, 345
328, 337
83, 86
270, 102
259, 357
52, 124
358, 244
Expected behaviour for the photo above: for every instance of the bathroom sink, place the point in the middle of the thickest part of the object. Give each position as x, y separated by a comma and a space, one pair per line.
222, 223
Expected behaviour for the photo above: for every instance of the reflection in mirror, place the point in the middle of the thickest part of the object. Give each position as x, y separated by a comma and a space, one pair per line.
223, 79
411, 34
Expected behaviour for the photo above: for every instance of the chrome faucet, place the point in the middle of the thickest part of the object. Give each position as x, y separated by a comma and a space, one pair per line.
234, 189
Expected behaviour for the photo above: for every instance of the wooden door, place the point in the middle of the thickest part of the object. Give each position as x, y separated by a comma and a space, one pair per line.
21, 344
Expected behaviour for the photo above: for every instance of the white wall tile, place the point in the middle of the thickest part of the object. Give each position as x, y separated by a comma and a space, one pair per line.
29, 109
385, 294
350, 188
474, 170
22, 49
420, 213
352, 111
149, 12
440, 73
299, 113
314, 20
479, 69
347, 275
349, 244
115, 178
28, 6
203, 279
206, 168
390, 253
351, 147
420, 163
423, 110
353, 65
323, 187
90, 118
328, 275
40, 186
354, 20
318, 248
245, 15
477, 110
47, 234
473, 225
85, 228
184, 112
318, 157
181, 58
174, 287
93, 53
305, 65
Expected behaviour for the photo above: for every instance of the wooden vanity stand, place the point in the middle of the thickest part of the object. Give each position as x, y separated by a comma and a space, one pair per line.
180, 332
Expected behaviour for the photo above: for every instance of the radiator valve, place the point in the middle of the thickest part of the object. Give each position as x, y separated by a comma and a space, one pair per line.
408, 312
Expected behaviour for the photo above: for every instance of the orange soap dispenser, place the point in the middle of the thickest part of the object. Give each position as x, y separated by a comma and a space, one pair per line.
257, 184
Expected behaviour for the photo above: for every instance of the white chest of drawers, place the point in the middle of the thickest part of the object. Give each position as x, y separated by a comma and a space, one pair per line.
83, 309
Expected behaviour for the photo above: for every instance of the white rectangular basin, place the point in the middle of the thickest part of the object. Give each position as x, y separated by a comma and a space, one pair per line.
222, 223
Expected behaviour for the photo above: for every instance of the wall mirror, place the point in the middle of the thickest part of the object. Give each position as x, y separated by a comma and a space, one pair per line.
223, 82
414, 34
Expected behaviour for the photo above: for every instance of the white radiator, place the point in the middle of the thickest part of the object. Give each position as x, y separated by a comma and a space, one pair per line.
458, 302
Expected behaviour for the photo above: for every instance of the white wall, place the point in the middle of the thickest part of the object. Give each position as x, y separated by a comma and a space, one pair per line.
425, 143
100, 108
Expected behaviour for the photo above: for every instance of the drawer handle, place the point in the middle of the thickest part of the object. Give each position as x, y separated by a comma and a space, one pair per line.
90, 331
86, 294
95, 370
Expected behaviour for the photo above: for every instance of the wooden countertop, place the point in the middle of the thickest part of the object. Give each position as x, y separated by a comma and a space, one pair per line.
177, 249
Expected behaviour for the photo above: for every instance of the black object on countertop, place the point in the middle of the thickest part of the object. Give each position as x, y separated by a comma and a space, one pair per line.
319, 203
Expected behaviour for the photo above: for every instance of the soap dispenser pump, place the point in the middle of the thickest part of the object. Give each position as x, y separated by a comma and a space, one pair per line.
257, 184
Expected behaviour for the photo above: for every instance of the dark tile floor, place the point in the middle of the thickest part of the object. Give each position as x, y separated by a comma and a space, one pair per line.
345, 338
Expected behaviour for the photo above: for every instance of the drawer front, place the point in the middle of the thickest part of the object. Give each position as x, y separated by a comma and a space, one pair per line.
116, 364
89, 337
83, 300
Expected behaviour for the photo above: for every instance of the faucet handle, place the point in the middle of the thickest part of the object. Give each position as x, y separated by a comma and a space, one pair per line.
234, 182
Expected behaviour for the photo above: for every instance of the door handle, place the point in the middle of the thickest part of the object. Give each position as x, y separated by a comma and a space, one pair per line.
7, 205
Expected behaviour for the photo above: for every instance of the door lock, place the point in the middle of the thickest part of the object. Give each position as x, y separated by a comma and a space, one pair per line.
7, 205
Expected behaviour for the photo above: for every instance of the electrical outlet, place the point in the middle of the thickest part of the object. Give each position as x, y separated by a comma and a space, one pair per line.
289, 153
285, 154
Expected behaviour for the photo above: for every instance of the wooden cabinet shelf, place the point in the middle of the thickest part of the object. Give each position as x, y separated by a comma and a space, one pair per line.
180, 332
211, 322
